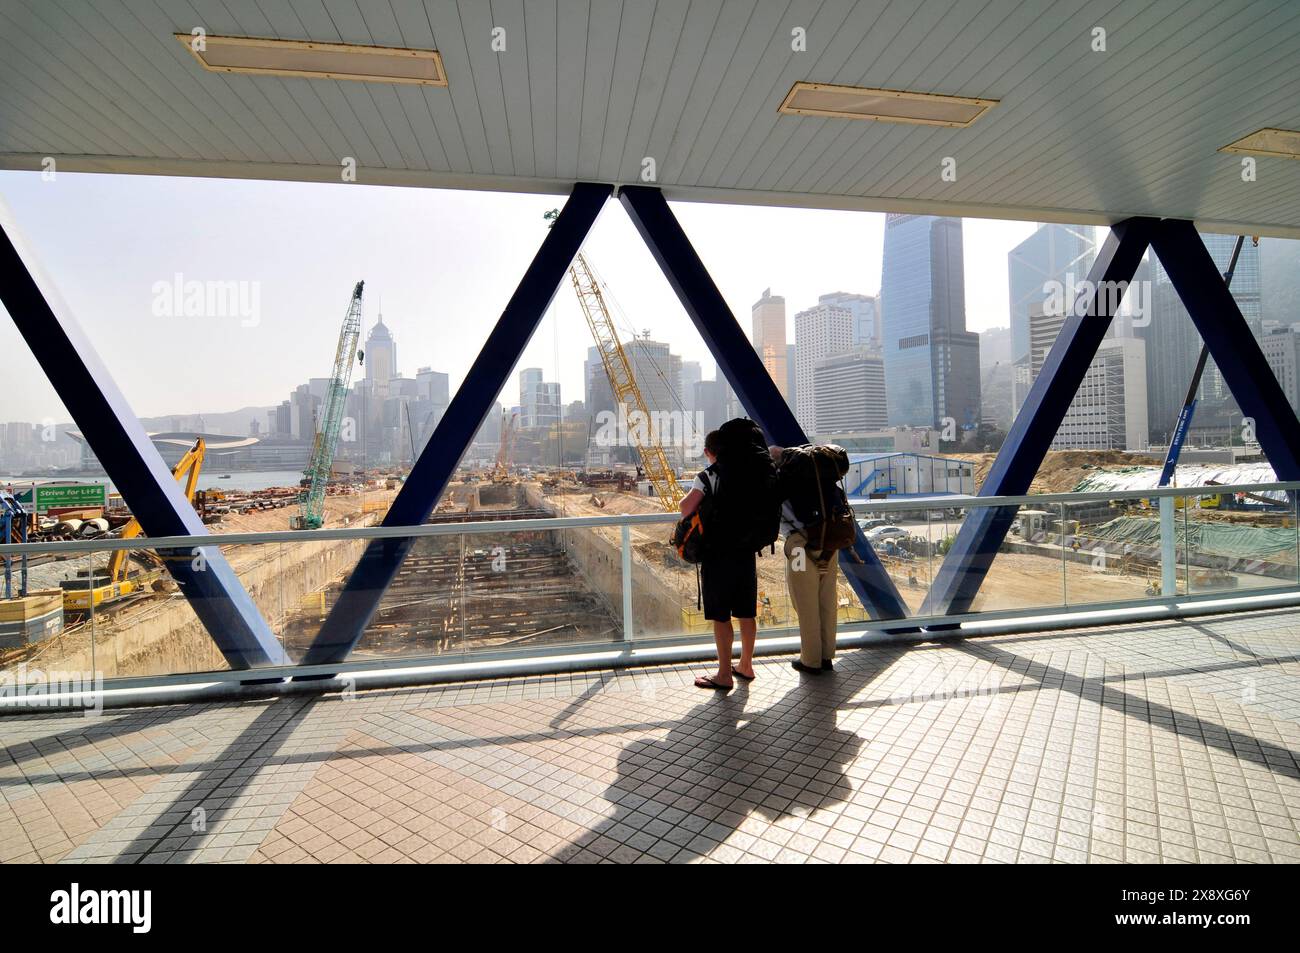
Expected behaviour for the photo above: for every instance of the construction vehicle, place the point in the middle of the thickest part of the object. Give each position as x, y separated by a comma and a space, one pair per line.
94, 589
316, 477
501, 469
621, 379
1230, 501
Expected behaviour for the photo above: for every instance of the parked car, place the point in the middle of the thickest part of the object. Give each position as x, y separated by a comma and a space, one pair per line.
867, 525
882, 533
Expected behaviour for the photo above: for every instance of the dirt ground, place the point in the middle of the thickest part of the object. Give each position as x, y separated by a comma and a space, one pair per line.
1062, 470
340, 510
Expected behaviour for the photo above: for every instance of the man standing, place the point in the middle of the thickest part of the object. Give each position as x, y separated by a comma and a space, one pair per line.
816, 521
728, 581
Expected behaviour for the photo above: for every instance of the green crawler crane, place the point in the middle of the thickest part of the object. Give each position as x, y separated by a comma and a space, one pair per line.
312, 501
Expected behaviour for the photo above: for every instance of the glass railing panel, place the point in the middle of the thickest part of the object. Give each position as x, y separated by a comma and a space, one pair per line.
1025, 569
1234, 542
39, 640
331, 586
1121, 549
910, 544
539, 588
511, 586
666, 593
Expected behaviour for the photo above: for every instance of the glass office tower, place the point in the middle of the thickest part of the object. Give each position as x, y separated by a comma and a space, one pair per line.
931, 360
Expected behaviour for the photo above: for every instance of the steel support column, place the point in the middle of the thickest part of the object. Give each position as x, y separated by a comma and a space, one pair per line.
741, 365
429, 476
983, 530
119, 441
1231, 343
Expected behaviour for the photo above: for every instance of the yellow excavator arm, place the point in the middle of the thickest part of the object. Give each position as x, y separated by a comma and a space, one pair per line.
187, 468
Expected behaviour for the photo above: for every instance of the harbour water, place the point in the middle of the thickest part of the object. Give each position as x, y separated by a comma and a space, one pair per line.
211, 478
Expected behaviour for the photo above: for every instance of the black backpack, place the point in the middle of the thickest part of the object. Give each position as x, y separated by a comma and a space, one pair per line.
809, 478
746, 512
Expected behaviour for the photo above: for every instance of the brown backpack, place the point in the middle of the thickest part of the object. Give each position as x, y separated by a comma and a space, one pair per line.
809, 480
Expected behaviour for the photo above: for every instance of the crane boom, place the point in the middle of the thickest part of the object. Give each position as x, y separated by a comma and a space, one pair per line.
623, 382
316, 475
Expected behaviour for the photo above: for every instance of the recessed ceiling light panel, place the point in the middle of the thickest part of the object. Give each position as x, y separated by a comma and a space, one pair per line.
1268, 142
888, 105
374, 64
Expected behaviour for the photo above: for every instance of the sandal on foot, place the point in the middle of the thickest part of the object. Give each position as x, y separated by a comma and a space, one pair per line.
741, 675
705, 681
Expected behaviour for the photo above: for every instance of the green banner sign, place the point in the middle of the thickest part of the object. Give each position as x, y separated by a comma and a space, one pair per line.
62, 495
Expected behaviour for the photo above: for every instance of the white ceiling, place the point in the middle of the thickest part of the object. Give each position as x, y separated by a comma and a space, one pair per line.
585, 90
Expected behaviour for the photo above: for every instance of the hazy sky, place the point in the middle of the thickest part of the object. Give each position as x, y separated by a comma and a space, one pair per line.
443, 264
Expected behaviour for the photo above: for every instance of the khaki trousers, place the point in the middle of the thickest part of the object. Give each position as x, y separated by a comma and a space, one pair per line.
812, 590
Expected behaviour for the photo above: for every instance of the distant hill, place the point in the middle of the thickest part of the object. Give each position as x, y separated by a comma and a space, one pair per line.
234, 422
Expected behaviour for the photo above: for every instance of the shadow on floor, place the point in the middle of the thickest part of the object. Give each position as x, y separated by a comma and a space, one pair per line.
717, 766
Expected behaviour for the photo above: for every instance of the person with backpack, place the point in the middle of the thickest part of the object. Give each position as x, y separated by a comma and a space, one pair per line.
817, 523
734, 507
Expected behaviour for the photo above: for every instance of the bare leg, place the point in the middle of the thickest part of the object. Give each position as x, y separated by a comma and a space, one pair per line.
748, 633
724, 638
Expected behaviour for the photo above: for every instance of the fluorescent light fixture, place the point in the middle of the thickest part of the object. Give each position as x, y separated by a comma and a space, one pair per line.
888, 105
373, 64
1268, 142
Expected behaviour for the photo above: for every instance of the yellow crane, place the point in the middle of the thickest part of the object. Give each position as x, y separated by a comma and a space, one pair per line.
78, 598
623, 383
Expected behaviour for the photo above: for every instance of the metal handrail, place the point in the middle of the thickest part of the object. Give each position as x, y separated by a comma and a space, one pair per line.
591, 522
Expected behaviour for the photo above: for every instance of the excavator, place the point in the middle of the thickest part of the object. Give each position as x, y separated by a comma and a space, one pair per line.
79, 595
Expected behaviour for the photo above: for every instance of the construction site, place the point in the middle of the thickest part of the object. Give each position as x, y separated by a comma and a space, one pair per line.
506, 590
121, 613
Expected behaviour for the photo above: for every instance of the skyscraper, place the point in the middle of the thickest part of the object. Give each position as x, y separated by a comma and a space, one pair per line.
1173, 343
849, 392
769, 336
381, 359
791, 362
866, 316
996, 377
690, 377
1109, 410
658, 373
819, 332
539, 400
931, 360
1053, 253
711, 399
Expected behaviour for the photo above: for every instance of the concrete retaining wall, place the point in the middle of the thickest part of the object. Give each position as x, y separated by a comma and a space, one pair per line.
597, 556
165, 636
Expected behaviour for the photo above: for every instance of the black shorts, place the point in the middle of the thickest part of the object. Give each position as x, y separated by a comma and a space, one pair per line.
729, 587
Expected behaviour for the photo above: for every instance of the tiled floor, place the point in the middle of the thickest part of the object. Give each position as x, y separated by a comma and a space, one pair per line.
1168, 742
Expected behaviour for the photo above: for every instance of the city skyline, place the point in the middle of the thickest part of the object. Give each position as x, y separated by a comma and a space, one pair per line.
170, 366
558, 349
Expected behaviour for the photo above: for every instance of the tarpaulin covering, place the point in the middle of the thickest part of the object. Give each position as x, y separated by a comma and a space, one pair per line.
1219, 539
1207, 474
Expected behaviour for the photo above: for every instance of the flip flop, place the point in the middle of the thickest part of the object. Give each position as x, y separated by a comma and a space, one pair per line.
705, 681
741, 675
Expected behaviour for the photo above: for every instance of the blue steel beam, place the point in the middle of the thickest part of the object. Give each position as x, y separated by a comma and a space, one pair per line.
744, 370
1214, 311
429, 476
119, 441
983, 530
